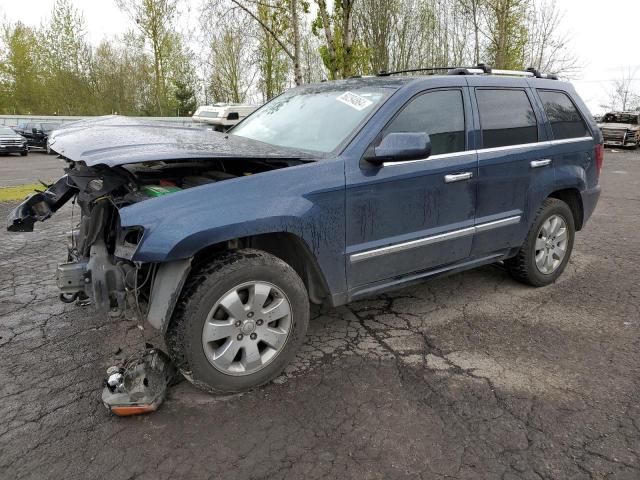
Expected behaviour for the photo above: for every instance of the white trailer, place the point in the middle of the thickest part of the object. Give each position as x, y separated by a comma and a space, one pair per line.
222, 116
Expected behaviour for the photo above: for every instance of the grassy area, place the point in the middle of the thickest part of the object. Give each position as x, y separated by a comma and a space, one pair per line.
19, 192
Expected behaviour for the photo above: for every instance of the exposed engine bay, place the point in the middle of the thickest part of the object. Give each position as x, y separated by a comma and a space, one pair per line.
99, 267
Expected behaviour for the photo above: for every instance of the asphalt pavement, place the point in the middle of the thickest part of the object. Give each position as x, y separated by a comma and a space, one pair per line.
472, 376
37, 165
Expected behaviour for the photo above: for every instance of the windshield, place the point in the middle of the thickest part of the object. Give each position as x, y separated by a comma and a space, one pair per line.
312, 120
620, 118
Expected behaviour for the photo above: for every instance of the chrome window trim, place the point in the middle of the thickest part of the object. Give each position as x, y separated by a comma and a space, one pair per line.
432, 157
570, 140
441, 237
547, 143
520, 146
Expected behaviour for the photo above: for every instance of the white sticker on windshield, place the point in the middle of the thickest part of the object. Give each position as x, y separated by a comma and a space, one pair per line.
354, 101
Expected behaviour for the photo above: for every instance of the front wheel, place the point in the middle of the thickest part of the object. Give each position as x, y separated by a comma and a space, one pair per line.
547, 248
239, 321
24, 154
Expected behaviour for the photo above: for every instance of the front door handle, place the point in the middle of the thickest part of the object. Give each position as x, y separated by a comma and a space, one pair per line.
457, 177
540, 163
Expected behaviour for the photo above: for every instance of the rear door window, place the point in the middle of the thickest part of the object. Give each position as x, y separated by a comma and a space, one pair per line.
440, 114
564, 117
506, 118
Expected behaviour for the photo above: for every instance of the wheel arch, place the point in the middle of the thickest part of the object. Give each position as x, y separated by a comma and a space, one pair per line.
572, 197
289, 248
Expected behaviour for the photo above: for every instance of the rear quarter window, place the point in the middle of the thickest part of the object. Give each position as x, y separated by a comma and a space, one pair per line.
506, 118
564, 118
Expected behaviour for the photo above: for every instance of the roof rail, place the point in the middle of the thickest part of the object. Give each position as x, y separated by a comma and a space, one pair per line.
480, 69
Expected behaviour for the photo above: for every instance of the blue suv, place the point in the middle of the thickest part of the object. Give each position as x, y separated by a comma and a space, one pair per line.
327, 194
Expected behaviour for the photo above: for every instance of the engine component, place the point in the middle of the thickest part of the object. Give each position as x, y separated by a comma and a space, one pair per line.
159, 190
72, 277
108, 280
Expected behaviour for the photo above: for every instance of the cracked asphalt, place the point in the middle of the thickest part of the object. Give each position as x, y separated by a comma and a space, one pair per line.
472, 376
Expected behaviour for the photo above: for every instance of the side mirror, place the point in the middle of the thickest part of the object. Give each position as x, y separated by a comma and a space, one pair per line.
399, 147
34, 130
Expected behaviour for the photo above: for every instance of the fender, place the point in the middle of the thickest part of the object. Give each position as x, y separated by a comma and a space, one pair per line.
305, 200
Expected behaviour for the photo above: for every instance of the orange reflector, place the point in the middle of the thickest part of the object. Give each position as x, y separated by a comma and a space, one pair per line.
127, 411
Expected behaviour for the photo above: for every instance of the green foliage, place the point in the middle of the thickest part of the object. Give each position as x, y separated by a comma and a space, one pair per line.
185, 96
507, 33
53, 70
272, 61
342, 55
20, 74
252, 47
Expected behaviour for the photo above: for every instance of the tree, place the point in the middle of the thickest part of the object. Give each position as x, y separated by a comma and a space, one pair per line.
270, 57
66, 59
547, 46
375, 22
507, 34
155, 20
185, 97
231, 72
474, 10
20, 80
342, 55
287, 35
623, 95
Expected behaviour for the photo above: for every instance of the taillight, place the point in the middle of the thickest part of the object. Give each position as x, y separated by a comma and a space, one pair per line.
599, 157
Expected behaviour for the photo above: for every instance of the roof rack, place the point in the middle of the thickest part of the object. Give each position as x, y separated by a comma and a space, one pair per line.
480, 69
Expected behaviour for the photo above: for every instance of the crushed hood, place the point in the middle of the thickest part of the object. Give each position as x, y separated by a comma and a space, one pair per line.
115, 140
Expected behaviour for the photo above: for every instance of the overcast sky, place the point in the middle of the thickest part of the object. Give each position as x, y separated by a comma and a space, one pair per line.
605, 34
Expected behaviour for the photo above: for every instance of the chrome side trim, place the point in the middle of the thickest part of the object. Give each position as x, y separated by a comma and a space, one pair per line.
483, 227
441, 237
399, 247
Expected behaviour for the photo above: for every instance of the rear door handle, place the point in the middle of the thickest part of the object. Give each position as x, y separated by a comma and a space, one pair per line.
540, 163
457, 177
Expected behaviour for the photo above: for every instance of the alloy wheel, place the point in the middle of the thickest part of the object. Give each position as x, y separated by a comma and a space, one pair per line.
247, 328
551, 244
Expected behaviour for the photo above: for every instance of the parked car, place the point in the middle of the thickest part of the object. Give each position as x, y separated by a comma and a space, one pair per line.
11, 142
37, 133
621, 129
222, 116
327, 194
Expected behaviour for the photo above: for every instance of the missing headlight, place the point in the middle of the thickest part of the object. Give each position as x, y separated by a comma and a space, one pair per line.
127, 242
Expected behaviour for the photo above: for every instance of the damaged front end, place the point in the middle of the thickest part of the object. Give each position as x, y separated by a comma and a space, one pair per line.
117, 162
98, 268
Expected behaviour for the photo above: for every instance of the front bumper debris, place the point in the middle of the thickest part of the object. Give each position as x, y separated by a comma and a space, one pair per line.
40, 206
140, 385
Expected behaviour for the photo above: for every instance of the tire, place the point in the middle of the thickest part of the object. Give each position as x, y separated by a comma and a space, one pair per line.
524, 267
199, 317
24, 154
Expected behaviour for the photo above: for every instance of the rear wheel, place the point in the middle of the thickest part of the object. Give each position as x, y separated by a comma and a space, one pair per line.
547, 248
239, 321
